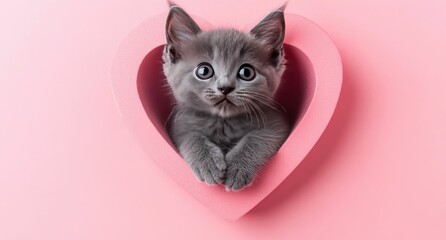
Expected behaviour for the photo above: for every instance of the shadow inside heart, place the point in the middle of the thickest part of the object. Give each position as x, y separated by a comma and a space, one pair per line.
295, 92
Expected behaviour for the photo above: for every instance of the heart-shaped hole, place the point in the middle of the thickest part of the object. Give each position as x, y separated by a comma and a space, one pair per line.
295, 91
309, 91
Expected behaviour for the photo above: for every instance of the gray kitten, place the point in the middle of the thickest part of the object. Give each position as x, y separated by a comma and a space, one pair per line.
226, 124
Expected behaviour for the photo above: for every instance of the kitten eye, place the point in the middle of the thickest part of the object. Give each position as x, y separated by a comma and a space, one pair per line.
204, 71
246, 72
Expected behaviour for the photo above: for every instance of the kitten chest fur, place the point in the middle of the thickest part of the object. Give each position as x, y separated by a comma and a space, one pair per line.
224, 132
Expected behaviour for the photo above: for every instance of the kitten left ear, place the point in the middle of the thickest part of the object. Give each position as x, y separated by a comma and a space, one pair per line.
271, 30
180, 27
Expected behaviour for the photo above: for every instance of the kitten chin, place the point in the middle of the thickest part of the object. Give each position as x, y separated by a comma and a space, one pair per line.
226, 109
222, 110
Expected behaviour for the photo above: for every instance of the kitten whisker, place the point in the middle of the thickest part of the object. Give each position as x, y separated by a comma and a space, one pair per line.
247, 110
264, 97
256, 109
262, 100
261, 113
249, 104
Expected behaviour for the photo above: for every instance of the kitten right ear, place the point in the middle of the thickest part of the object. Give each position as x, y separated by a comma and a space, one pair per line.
180, 27
271, 30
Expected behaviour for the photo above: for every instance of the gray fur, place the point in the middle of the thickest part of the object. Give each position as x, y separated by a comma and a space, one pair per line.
225, 141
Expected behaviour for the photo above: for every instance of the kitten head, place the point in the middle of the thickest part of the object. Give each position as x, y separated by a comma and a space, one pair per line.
223, 72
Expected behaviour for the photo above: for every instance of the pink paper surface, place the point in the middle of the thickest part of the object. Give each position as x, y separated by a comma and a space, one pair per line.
70, 169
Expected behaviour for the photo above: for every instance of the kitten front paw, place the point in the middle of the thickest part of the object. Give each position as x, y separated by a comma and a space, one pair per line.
238, 176
210, 170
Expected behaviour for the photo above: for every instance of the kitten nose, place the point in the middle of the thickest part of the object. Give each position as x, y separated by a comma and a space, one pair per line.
226, 90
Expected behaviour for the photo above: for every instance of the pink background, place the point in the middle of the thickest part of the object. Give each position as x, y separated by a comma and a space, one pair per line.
70, 169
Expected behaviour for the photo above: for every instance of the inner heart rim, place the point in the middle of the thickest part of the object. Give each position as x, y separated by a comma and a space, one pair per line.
301, 34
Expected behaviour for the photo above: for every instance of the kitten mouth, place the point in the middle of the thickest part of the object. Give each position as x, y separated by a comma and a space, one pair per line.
224, 100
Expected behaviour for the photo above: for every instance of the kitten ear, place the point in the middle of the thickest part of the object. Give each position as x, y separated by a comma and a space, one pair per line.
271, 30
180, 27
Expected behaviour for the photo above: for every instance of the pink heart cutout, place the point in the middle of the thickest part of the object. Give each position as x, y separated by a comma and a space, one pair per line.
309, 91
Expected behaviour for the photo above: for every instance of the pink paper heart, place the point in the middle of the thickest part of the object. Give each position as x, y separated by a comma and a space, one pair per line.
309, 91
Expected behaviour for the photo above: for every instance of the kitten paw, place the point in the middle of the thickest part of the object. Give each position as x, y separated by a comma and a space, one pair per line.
210, 170
238, 176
